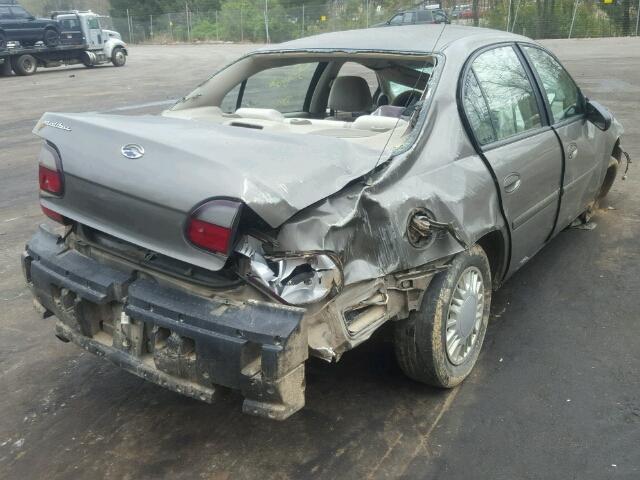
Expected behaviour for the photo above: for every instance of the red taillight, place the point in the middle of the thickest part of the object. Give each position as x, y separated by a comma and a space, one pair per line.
209, 236
55, 216
212, 226
50, 180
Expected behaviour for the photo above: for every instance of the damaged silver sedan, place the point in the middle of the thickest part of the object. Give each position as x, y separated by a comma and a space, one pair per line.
305, 195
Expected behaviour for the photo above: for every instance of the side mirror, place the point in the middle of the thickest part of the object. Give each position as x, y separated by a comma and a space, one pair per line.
598, 115
31, 18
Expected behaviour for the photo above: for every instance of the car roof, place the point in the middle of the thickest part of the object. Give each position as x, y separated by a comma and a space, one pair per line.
407, 38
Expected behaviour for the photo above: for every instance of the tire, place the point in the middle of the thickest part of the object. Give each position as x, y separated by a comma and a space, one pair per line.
118, 57
3, 41
51, 37
87, 60
421, 339
25, 65
609, 178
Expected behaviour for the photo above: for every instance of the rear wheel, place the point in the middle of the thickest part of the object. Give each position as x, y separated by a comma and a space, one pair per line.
51, 37
25, 65
118, 57
439, 345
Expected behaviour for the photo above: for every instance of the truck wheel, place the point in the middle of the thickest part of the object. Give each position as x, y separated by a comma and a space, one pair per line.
439, 345
3, 41
25, 65
51, 37
118, 57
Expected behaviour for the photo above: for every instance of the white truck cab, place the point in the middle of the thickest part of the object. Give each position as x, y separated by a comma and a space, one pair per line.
101, 45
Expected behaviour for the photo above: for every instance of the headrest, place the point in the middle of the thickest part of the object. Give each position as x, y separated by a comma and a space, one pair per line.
350, 94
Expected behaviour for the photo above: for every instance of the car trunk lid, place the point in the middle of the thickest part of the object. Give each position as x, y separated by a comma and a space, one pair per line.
146, 200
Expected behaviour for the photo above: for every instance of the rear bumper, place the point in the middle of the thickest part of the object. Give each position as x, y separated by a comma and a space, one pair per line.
169, 336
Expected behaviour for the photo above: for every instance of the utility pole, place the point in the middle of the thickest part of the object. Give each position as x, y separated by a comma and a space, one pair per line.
573, 19
186, 6
367, 12
266, 20
129, 26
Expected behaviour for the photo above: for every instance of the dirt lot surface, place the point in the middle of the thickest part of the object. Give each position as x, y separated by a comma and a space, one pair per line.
556, 392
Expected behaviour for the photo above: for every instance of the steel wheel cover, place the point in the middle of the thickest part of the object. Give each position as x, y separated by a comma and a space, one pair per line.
464, 316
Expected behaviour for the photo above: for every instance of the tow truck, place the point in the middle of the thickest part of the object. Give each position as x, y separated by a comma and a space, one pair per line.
83, 41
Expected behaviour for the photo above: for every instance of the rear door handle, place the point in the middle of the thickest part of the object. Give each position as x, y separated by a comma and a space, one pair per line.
512, 182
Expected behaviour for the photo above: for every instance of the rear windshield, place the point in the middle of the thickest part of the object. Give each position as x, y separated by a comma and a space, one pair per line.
70, 24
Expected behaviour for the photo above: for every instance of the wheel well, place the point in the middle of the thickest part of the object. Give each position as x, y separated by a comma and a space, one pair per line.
617, 151
494, 247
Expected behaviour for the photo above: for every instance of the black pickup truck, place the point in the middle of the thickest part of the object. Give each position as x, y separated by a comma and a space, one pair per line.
18, 25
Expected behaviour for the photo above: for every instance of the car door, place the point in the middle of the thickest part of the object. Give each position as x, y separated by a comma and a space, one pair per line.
409, 18
584, 145
5, 17
425, 16
506, 116
9, 24
23, 28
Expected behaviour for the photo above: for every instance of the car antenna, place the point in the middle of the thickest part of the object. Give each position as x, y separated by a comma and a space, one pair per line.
386, 144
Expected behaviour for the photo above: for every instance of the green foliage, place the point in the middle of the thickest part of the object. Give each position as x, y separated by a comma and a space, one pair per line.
244, 20
204, 30
241, 20
157, 7
551, 19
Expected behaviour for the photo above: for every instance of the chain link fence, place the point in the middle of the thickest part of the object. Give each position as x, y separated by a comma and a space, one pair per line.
252, 22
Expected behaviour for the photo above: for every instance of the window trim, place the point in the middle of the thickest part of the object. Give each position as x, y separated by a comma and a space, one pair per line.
313, 85
240, 97
468, 65
540, 85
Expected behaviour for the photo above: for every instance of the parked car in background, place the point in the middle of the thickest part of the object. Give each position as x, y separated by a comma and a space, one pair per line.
416, 16
292, 204
18, 25
466, 13
455, 11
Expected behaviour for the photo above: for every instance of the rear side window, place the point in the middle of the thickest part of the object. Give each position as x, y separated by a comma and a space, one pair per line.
508, 93
424, 16
477, 111
70, 24
19, 12
562, 93
409, 17
397, 19
4, 12
282, 88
